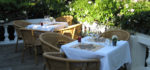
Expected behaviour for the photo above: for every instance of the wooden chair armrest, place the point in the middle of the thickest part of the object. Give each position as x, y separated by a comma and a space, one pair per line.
70, 27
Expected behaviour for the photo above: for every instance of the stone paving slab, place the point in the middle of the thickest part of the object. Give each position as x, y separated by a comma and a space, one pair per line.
11, 60
8, 68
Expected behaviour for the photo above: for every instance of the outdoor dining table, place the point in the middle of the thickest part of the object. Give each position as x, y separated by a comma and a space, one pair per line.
111, 57
47, 25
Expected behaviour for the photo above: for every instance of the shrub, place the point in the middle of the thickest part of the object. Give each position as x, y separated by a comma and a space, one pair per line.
11, 9
136, 17
103, 11
22, 9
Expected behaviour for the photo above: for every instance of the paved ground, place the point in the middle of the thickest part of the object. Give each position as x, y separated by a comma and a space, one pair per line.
9, 60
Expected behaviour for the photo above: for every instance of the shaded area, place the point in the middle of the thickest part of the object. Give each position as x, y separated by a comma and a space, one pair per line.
9, 60
11, 30
27, 9
2, 37
139, 22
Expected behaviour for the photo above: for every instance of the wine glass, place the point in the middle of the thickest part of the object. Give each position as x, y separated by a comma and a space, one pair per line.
46, 18
108, 41
92, 35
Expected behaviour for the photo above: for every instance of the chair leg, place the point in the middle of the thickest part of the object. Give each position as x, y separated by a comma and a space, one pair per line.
72, 36
16, 45
44, 67
30, 51
73, 33
36, 59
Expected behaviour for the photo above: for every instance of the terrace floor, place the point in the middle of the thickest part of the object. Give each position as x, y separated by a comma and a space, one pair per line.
11, 60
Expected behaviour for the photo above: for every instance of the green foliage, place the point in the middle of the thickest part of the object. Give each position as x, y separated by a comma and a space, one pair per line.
136, 17
125, 14
21, 9
11, 9
39, 8
102, 11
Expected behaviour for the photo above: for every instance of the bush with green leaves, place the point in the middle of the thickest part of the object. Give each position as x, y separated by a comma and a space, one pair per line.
11, 9
21, 9
41, 8
126, 14
135, 16
103, 11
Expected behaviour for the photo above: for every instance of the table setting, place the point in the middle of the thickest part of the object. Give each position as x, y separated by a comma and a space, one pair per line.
48, 24
112, 56
87, 46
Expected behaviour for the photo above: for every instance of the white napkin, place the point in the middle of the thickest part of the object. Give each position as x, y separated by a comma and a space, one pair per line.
39, 27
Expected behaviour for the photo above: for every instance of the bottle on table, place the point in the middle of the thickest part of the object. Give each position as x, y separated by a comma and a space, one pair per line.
79, 39
41, 24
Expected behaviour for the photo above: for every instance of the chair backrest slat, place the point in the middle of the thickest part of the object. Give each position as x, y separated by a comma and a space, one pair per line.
65, 19
20, 24
27, 36
74, 30
50, 41
122, 34
58, 61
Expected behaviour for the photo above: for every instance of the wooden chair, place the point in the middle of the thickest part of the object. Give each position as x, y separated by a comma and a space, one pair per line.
19, 24
122, 35
74, 30
36, 34
58, 61
51, 41
65, 19
29, 42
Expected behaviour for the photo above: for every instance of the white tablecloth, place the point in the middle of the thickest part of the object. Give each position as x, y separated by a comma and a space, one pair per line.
35, 21
111, 58
50, 26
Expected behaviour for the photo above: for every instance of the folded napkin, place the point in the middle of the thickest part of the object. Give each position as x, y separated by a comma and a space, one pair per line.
90, 47
47, 28
101, 39
43, 28
33, 26
48, 22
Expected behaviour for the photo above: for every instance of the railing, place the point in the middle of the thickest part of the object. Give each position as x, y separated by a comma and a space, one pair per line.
7, 34
145, 40
9, 31
139, 44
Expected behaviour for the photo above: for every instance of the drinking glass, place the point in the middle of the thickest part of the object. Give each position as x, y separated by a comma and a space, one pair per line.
91, 35
108, 42
94, 36
46, 18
